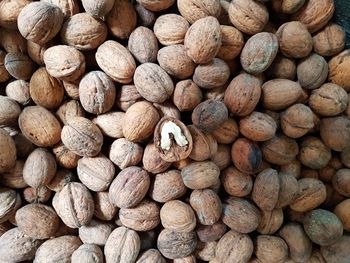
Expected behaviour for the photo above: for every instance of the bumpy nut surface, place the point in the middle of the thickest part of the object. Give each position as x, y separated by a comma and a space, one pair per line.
68, 7
193, 10
287, 6
246, 155
297, 120
288, 189
235, 182
104, 209
232, 42
156, 6
9, 154
151, 255
271, 249
337, 252
329, 41
125, 153
282, 68
89, 253
96, 232
314, 153
152, 161
335, 133
19, 65
97, 8
9, 11
9, 202
338, 66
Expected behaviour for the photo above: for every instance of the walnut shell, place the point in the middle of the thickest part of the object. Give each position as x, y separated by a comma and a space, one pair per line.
271, 221
151, 255
125, 153
297, 120
196, 9
212, 232
235, 182
145, 17
288, 189
282, 68
70, 109
9, 154
37, 195
12, 41
338, 66
13, 178
68, 7
156, 6
203, 40
126, 96
337, 252
271, 249
9, 12
342, 212
313, 153
74, 205
96, 232
104, 209
341, 182
329, 41
205, 250
39, 22
110, 123
232, 42
204, 144
129, 187
227, 133
18, 90
36, 51
287, 6
61, 179
98, 8
4, 74
246, 155
65, 157
187, 95
152, 160
88, 253
9, 202
83, 31
335, 132
19, 65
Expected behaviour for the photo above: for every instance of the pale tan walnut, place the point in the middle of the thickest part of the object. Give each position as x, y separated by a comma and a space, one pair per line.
13, 178
287, 6
104, 210
96, 232
139, 121
338, 66
173, 244
19, 65
203, 40
98, 8
40, 126
175, 61
167, 186
200, 175
234, 247
152, 160
12, 41
235, 182
282, 68
129, 187
125, 153
8, 155
36, 51
121, 69
122, 246
89, 253
170, 29
110, 123
157, 5
248, 16
151, 255
259, 52
57, 249
9, 11
39, 22
9, 202
337, 252
39, 168
126, 96
204, 144
288, 189
64, 62
83, 31
122, 19
68, 7
72, 88
193, 10
143, 217
65, 157
18, 90
96, 173
61, 179
74, 205
271, 221
16, 246
97, 92
4, 75
232, 42
143, 45
271, 249
82, 137
189, 259
329, 41
69, 109
315, 14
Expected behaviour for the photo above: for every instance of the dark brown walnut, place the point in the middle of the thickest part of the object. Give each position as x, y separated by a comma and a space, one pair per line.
10, 201
271, 221
207, 206
196, 9
212, 75
74, 205
288, 189
90, 253
335, 132
82, 137
13, 178
39, 22
282, 68
203, 40
337, 252
246, 155
151, 255
312, 193
209, 115
152, 160
126, 96
4, 75
175, 61
143, 217
98, 8
170, 29
287, 6
40, 126
259, 52
122, 19
83, 31
12, 41
200, 175
315, 14
123, 245
294, 40
204, 144
143, 45
9, 12
258, 126
329, 100
342, 212
167, 186
187, 95
9, 111
64, 62
15, 245
297, 120
36, 51
330, 41
222, 157
57, 249
280, 150
266, 189
278, 94
312, 71
174, 244
232, 42
212, 232
37, 221
122, 69
45, 90
19, 65
227, 133
323, 227
125, 153
65, 157
39, 168
8, 155
235, 182
313, 153
129, 187
183, 220
69, 109
341, 182
250, 16
270, 249
145, 17
240, 215
104, 209
172, 139
243, 94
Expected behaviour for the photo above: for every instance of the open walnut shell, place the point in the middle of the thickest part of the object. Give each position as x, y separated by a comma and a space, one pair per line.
172, 139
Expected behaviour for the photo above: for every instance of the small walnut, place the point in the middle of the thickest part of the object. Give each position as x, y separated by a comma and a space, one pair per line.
151, 255
126, 96
88, 253
287, 6
232, 42
297, 120
313, 153
8, 155
205, 250
212, 232
156, 5
152, 160
98, 8
4, 74
36, 51
96, 232
246, 155
337, 252
68, 7
341, 182
342, 212
187, 95
12, 41
329, 41
104, 209
271, 221
204, 144
9, 11
69, 109
65, 157
271, 249
235, 182
18, 90
288, 189
167, 109
61, 179
19, 65
125, 153
335, 132
13, 178
193, 10
282, 68
338, 66
42, 194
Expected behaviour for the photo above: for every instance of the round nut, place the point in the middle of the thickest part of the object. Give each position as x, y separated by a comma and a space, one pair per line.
282, 68
196, 9
227, 133
271, 221
235, 182
19, 65
9, 11
110, 123
104, 209
335, 132
287, 6
341, 182
96, 232
18, 90
125, 153
288, 189
98, 8
337, 69
88, 253
313, 153
152, 160
204, 145
9, 154
271, 249
297, 120
329, 41
232, 42
187, 95
338, 252
342, 210
280, 150
246, 155
68, 110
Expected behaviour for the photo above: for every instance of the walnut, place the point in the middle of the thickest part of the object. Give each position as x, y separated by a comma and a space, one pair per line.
19, 65
246, 155
152, 160
104, 209
187, 95
96, 232
156, 6
193, 10
98, 8
271, 221
297, 120
89, 253
271, 249
125, 153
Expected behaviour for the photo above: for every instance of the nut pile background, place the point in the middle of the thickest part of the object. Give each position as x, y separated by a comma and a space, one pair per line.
174, 131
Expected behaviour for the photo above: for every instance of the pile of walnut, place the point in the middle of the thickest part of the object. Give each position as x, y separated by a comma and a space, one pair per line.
156, 131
